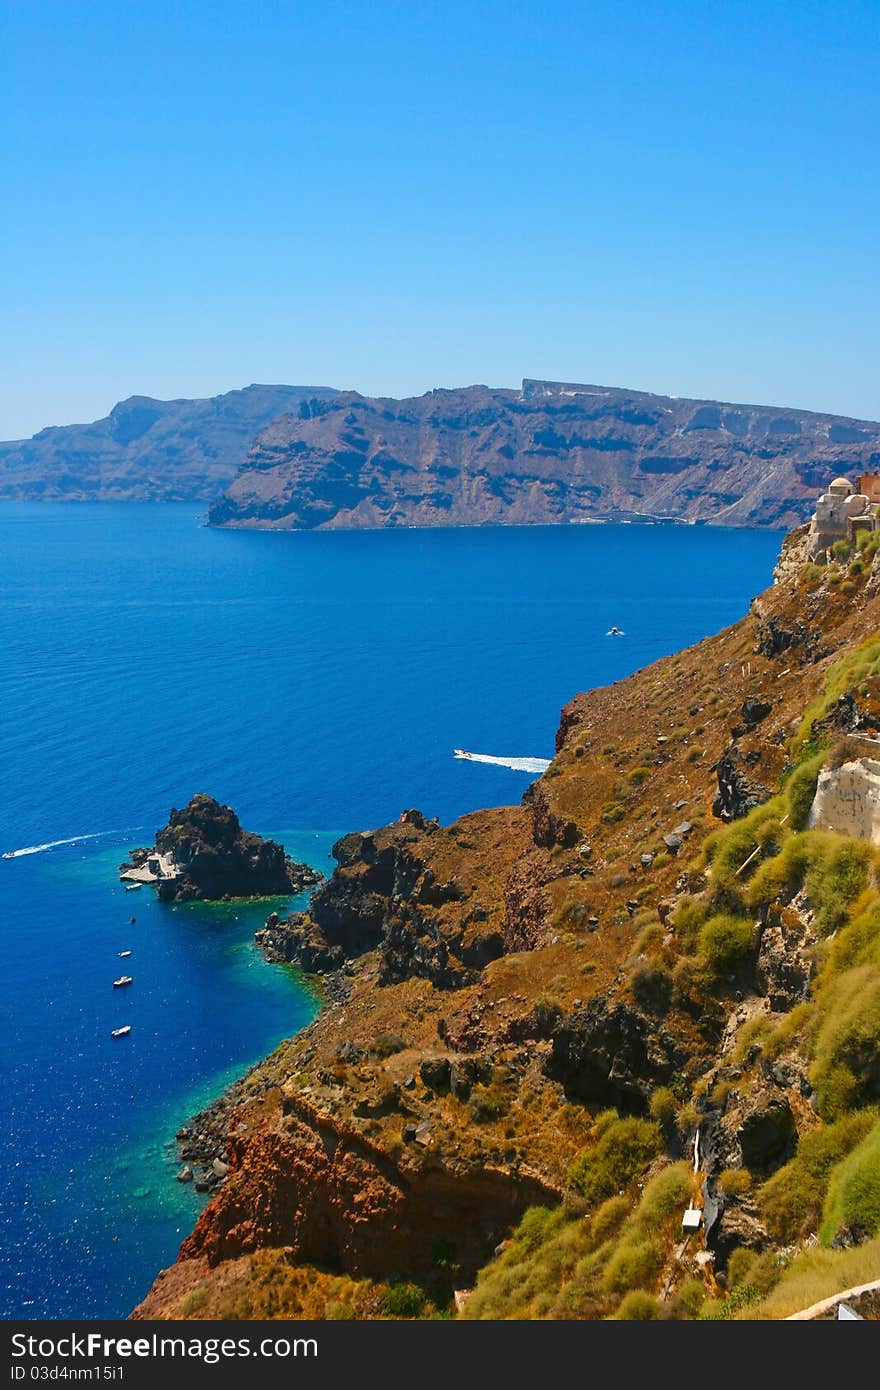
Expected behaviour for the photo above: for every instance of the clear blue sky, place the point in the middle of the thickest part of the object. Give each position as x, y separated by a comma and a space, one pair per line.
676, 195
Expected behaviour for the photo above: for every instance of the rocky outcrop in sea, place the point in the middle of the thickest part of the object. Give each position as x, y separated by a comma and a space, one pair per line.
203, 853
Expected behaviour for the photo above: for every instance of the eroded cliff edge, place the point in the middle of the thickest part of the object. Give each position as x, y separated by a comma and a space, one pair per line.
548, 453
542, 1007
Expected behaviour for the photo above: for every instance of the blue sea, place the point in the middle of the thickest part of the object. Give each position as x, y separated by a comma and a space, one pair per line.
317, 683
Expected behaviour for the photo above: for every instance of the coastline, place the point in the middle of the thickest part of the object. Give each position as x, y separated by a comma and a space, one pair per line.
202, 1140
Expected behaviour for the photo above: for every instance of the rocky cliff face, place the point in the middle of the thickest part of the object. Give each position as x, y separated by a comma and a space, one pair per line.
548, 1011
548, 453
213, 858
147, 450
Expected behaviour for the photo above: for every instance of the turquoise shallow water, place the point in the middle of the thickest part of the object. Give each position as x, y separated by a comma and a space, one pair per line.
308, 680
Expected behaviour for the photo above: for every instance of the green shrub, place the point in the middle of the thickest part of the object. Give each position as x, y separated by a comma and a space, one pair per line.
858, 943
652, 987
740, 1297
844, 1072
635, 1263
688, 1300
800, 789
532, 1229
738, 1266
638, 775
832, 869
665, 1195
609, 1218
853, 1200
689, 917
782, 876
638, 1307
403, 1301
612, 812
546, 1013
840, 550
487, 1106
857, 666
727, 850
837, 875
624, 1149
735, 1182
791, 1200
725, 940
662, 1106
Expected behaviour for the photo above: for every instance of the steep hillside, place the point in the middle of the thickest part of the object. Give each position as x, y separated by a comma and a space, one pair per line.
547, 453
147, 450
550, 1029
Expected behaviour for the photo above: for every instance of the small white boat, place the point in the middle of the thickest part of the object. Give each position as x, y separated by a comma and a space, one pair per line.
120, 1032
133, 887
123, 980
122, 954
615, 632
462, 753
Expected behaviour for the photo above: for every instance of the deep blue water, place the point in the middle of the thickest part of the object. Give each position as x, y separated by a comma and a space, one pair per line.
312, 681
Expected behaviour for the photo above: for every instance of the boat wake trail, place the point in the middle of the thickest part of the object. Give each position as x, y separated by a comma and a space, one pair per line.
71, 840
517, 764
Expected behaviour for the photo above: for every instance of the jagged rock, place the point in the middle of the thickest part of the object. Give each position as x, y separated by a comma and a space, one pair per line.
420, 822
435, 1073
767, 1133
738, 793
785, 965
611, 1054
754, 711
185, 1174
298, 940
374, 1106
213, 858
773, 639
739, 1224
467, 1072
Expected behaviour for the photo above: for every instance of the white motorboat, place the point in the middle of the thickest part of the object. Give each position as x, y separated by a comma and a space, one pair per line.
120, 1032
123, 980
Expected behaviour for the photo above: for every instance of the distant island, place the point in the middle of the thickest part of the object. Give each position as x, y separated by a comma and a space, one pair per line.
147, 450
312, 458
550, 452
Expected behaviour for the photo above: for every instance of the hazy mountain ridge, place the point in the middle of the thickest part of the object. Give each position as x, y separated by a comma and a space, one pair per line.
147, 450
551, 452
